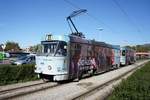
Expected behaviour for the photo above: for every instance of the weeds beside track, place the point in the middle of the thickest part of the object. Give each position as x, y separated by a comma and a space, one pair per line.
135, 87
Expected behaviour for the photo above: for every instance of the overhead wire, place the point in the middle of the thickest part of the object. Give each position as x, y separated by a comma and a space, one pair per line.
127, 16
91, 16
76, 7
99, 21
72, 4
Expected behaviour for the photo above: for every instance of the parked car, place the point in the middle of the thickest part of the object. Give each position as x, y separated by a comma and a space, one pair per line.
29, 59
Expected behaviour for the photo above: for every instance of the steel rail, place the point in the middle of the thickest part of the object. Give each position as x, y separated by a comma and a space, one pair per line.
99, 87
23, 90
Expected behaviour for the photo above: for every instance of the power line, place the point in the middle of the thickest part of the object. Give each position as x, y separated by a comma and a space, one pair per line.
99, 21
90, 15
72, 4
127, 16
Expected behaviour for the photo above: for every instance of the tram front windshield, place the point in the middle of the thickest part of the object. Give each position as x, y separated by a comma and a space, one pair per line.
58, 48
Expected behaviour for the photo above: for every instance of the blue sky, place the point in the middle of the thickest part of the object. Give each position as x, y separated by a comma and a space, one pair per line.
27, 21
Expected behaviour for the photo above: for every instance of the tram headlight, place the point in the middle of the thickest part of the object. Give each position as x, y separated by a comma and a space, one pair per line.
49, 67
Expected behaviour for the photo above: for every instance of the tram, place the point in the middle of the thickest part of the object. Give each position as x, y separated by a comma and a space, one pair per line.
70, 57
128, 56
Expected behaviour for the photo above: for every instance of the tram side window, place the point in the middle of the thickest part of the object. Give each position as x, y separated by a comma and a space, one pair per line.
78, 48
75, 49
123, 52
72, 48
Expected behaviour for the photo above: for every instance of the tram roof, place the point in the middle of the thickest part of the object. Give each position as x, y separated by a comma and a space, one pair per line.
103, 44
77, 39
126, 48
51, 41
116, 46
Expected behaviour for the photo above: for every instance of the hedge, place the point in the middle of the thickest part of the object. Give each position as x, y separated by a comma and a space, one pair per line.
13, 74
135, 87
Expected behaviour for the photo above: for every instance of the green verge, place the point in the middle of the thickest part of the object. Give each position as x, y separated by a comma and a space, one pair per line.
135, 87
13, 74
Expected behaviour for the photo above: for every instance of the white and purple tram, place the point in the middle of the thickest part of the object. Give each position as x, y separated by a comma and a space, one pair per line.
127, 56
71, 57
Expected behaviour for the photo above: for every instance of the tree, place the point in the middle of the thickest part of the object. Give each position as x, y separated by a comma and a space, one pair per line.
12, 46
129, 47
140, 48
36, 48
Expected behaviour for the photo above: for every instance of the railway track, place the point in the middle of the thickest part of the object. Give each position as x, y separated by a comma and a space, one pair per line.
78, 92
26, 89
101, 92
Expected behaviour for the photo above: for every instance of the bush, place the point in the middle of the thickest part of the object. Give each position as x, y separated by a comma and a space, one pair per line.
13, 74
135, 87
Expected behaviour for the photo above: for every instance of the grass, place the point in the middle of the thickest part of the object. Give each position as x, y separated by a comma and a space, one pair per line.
135, 87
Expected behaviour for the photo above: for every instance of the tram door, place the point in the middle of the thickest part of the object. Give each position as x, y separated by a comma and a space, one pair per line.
75, 50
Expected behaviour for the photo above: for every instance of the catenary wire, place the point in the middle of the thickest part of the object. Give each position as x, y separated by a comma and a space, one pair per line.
91, 16
127, 16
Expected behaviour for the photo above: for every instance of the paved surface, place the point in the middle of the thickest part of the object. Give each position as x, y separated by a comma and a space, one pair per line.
6, 87
102, 93
72, 89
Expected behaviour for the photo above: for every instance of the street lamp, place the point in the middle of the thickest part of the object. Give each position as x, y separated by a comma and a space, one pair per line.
99, 29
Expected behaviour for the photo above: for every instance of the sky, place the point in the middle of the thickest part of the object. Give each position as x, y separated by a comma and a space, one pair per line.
123, 22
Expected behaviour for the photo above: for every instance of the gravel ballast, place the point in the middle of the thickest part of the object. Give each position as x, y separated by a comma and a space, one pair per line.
73, 89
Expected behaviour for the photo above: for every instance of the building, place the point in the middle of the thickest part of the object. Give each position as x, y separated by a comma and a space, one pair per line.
140, 55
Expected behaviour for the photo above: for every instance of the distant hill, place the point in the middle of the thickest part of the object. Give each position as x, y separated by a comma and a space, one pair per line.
148, 45
141, 48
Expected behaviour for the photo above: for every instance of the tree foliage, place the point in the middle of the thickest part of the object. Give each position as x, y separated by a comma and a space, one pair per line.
36, 48
12, 46
140, 48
